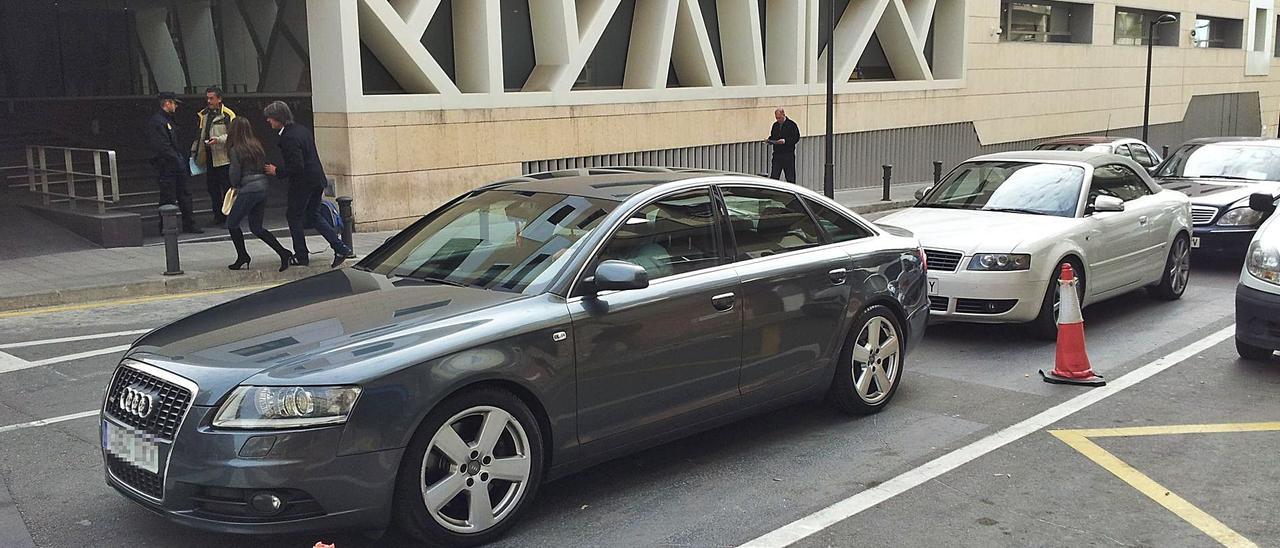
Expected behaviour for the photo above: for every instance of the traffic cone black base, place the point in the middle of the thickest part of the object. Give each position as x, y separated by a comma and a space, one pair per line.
1095, 380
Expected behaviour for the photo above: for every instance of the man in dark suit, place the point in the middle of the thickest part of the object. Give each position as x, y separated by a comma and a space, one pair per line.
306, 184
783, 136
170, 160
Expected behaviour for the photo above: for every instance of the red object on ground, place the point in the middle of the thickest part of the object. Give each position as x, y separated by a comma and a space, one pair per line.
1071, 364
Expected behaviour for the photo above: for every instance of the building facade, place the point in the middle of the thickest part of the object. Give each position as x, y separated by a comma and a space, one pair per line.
416, 101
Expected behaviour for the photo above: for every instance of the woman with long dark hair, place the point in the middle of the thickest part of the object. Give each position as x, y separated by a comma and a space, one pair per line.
246, 176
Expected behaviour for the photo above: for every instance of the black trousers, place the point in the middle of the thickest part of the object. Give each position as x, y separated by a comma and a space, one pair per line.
783, 163
251, 206
303, 212
172, 181
216, 182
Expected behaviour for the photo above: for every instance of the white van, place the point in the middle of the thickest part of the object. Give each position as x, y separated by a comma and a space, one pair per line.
1258, 295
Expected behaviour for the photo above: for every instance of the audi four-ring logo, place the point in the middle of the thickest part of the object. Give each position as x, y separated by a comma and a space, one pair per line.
137, 402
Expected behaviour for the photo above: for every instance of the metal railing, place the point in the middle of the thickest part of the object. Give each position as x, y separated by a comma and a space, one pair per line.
44, 178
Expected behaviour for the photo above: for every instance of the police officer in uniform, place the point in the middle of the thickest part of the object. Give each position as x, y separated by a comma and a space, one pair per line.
170, 160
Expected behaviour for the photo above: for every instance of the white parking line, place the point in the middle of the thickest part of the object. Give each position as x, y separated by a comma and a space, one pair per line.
852, 506
9, 363
73, 339
46, 422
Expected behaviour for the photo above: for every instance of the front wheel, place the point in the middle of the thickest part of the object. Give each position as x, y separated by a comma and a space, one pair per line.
470, 470
1177, 271
1251, 352
870, 364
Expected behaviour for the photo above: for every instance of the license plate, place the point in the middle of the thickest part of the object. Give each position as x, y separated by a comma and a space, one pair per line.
1195, 242
933, 286
130, 445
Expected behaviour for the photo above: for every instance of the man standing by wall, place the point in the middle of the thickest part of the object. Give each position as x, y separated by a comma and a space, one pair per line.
783, 136
170, 161
210, 150
306, 184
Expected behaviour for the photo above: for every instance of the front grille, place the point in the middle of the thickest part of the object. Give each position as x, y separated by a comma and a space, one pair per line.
1203, 215
985, 306
943, 261
137, 478
938, 303
171, 405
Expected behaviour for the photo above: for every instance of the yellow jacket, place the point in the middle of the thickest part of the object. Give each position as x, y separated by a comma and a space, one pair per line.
217, 132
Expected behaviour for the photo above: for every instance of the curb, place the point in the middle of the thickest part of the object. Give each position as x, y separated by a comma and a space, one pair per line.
882, 206
192, 281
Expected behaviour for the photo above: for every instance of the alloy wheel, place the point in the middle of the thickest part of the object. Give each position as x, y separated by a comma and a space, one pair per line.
1180, 266
876, 355
476, 469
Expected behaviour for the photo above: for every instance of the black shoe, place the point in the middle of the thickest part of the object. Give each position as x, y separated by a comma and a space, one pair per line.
285, 261
299, 260
241, 262
193, 230
339, 258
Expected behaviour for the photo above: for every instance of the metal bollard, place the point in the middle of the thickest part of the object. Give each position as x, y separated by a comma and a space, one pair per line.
937, 172
348, 222
169, 229
888, 178
1164, 151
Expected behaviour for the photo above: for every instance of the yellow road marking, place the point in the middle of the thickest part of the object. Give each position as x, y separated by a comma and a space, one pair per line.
1080, 441
127, 301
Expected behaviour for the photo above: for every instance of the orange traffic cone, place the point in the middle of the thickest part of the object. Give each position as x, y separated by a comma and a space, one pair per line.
1071, 366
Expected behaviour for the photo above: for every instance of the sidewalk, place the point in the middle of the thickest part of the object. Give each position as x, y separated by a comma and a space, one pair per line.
87, 275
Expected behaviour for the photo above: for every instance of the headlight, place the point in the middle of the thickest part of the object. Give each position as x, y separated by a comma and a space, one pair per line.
286, 406
1000, 262
1264, 263
1241, 216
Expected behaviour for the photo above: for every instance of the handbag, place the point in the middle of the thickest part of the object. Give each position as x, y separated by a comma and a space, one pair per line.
228, 200
195, 167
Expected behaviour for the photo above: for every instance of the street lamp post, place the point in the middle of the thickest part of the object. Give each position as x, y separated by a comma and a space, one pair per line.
1151, 40
829, 172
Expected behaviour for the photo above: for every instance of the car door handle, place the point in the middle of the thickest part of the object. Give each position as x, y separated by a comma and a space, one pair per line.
723, 302
1142, 220
838, 276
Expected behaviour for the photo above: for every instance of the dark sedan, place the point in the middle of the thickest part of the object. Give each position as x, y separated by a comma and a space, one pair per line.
521, 332
1219, 174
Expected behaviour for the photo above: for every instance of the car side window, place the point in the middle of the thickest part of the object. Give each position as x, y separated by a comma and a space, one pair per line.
769, 222
838, 227
1141, 156
1123, 150
673, 235
1117, 181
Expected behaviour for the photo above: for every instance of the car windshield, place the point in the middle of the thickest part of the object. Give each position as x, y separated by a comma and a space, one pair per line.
1018, 187
1226, 161
1075, 147
497, 239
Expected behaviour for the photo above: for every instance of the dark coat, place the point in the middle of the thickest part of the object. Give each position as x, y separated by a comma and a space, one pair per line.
788, 131
301, 166
162, 137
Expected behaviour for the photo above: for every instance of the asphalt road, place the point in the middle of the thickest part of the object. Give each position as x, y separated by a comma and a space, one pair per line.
737, 483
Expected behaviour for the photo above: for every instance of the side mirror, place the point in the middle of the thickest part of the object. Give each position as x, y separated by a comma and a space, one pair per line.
1265, 203
921, 192
1104, 204
619, 276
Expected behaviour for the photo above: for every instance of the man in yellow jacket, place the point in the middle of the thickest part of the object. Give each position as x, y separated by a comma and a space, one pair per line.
210, 150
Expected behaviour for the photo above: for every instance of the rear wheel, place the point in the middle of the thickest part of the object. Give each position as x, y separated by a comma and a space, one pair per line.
870, 365
470, 470
1251, 352
1177, 271
1045, 326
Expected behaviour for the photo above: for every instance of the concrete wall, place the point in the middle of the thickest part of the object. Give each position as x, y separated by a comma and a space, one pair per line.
401, 155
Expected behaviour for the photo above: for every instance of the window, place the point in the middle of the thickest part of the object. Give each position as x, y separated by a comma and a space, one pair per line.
1123, 150
768, 222
1142, 156
674, 235
1132, 26
1018, 187
838, 227
1046, 21
1217, 32
1119, 182
1260, 30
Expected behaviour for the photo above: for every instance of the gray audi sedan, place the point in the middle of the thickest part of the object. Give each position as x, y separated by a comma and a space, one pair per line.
520, 332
